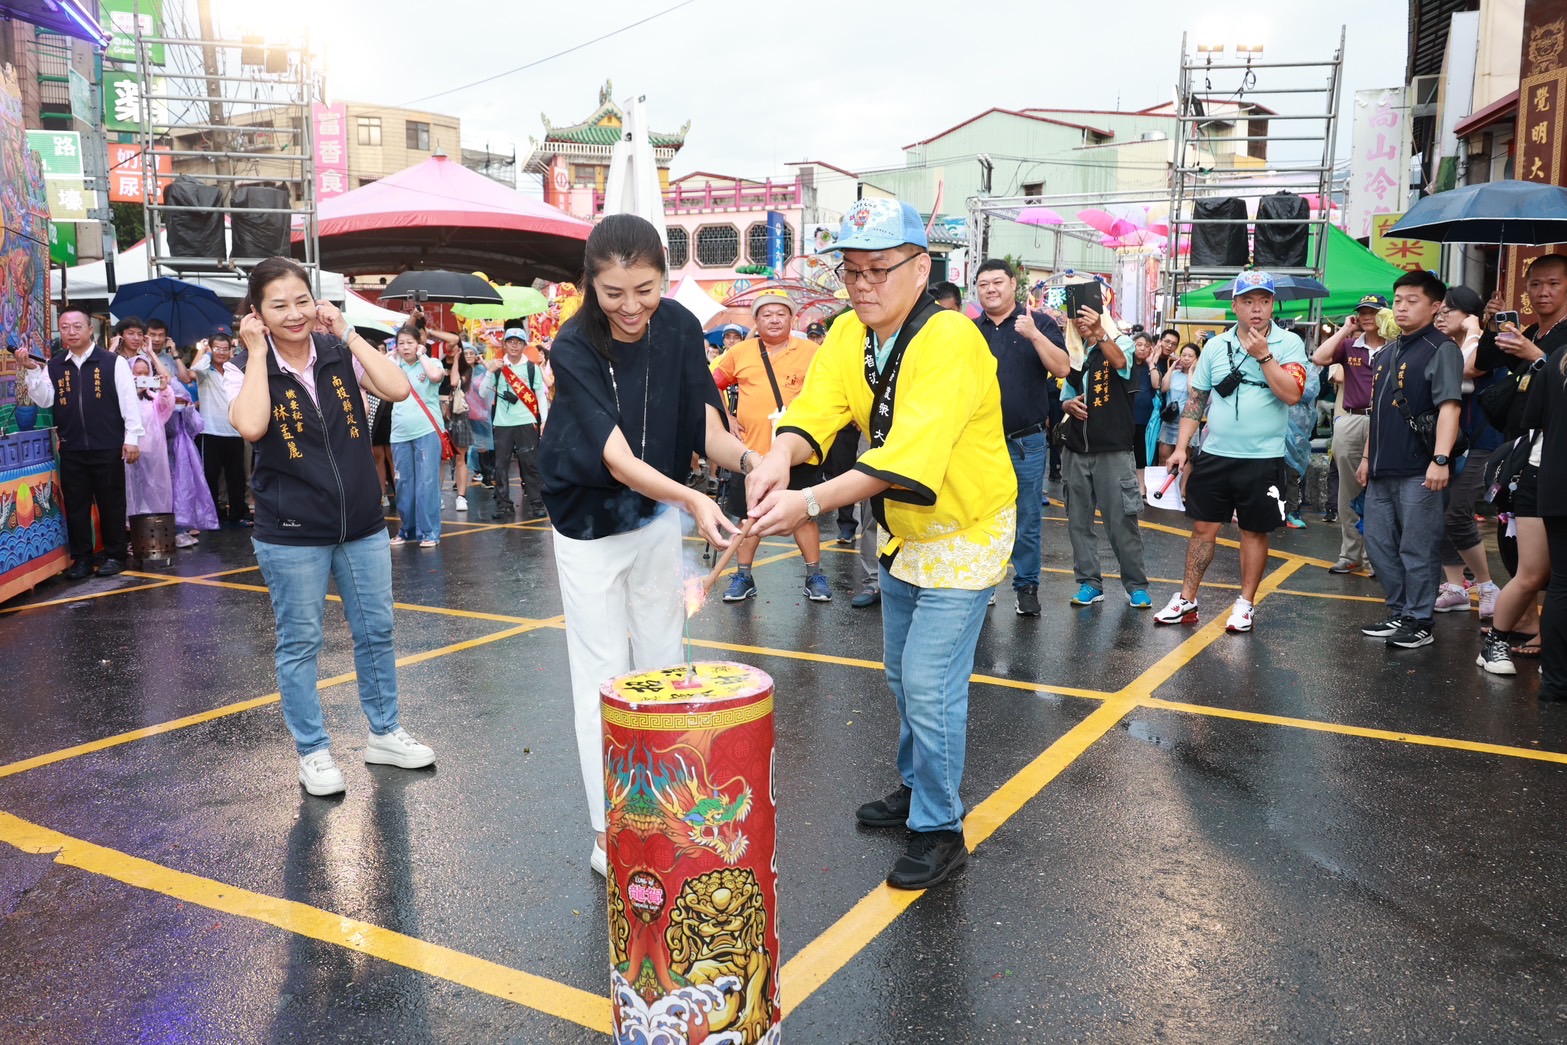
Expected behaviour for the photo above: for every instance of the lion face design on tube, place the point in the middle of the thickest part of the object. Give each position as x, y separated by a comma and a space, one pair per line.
717, 930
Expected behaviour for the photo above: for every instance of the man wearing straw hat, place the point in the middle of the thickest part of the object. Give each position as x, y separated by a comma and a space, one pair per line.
920, 382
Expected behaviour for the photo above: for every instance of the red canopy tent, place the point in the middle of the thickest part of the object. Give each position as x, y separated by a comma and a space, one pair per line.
440, 215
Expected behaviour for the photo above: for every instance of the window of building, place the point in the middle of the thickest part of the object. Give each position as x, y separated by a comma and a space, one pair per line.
717, 245
418, 136
756, 243
1033, 188
584, 175
369, 130
679, 247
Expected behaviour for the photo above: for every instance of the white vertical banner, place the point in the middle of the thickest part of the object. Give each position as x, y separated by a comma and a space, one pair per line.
1379, 159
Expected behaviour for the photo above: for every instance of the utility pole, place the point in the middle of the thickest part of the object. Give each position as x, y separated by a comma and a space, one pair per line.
987, 171
209, 61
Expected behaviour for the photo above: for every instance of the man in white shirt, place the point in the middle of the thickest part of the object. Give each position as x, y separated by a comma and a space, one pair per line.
99, 425
222, 449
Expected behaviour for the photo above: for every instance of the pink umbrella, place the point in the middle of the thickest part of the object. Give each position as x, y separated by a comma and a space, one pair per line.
1039, 216
1112, 225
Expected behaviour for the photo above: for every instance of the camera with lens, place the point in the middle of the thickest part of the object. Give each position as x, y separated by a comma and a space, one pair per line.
1231, 382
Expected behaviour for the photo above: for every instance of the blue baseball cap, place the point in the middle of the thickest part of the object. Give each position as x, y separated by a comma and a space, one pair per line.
1376, 301
1252, 280
879, 224
515, 334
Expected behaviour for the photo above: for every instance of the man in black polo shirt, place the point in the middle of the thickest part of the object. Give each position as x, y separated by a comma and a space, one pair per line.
98, 421
1017, 339
1405, 503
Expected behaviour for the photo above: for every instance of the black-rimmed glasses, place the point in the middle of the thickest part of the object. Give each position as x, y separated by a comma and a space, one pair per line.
872, 276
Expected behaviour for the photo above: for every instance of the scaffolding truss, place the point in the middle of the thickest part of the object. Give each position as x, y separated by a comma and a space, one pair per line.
1206, 86
230, 113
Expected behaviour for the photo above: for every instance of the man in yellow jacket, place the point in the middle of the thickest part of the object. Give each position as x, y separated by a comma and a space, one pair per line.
920, 381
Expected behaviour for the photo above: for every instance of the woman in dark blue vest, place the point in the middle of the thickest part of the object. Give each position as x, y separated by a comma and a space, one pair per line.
318, 508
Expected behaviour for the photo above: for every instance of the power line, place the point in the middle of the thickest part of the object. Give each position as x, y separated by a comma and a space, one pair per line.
540, 61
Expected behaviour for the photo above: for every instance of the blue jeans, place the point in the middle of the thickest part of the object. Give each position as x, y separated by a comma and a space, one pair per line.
297, 578
418, 464
929, 679
1028, 461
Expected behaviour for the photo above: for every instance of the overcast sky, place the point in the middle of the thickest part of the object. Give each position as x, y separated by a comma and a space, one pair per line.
763, 84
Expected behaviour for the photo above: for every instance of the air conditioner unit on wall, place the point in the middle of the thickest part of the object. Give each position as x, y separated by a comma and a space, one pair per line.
1423, 92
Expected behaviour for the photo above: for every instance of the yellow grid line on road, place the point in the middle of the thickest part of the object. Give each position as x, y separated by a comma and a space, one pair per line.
536, 992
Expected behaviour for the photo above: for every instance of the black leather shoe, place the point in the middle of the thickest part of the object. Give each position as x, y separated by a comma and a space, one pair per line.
932, 856
892, 811
110, 567
79, 570
504, 511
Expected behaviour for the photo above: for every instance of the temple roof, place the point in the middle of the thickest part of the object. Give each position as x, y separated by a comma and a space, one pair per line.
603, 127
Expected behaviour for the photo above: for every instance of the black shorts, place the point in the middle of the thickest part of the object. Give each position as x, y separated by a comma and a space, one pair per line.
800, 477
1250, 489
1526, 499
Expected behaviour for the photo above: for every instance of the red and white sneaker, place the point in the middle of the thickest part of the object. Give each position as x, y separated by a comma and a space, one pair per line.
1240, 618
1178, 611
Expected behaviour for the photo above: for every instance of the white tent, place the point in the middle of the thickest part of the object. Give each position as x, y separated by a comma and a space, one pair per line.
700, 303
90, 281
362, 312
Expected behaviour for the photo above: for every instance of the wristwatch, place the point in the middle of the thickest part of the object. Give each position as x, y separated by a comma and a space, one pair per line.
1440, 460
812, 509
744, 454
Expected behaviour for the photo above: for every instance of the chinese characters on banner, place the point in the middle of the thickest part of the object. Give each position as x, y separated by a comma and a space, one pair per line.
330, 128
61, 153
1379, 159
126, 172
1537, 148
1411, 255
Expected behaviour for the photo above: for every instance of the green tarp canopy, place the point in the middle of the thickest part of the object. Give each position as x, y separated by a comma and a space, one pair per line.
1351, 272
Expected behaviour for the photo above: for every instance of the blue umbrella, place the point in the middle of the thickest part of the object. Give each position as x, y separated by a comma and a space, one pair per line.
1501, 212
1285, 288
190, 312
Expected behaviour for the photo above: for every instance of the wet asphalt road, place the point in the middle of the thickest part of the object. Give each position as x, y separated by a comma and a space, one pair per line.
1153, 873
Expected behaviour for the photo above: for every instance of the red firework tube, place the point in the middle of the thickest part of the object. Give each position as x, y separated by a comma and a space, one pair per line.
691, 839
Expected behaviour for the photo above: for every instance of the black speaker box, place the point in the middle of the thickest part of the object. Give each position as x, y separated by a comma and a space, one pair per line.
1282, 245
197, 234
259, 235
1219, 245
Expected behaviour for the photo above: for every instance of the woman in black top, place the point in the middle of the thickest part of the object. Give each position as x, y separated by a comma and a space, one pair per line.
318, 508
633, 401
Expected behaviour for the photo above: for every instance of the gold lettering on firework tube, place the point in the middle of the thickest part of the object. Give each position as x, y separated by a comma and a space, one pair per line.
691, 839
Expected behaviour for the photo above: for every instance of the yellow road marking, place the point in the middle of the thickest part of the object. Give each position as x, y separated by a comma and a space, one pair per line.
535, 992
229, 573
820, 959
414, 607
1316, 725
91, 746
1329, 595
162, 582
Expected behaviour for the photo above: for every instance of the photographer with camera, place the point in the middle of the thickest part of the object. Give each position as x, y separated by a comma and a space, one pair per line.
1354, 347
1258, 371
1519, 355
516, 387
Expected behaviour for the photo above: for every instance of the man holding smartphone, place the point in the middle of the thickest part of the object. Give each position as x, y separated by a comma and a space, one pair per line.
1258, 371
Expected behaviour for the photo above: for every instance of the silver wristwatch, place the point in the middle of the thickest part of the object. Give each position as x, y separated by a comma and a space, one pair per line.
812, 509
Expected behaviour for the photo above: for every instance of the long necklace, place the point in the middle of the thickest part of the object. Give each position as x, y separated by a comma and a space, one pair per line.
647, 338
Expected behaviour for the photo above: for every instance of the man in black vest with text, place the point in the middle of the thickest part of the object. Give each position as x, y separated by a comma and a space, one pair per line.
99, 425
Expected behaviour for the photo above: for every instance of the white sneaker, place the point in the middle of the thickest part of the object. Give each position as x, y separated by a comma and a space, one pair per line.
462, 503
320, 775
184, 540
399, 749
1488, 593
599, 861
1240, 618
1177, 611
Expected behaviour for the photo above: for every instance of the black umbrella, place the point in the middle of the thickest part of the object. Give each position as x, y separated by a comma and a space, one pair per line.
1501, 212
441, 285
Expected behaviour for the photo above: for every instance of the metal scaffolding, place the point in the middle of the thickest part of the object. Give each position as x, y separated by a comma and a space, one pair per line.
1205, 87
246, 119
